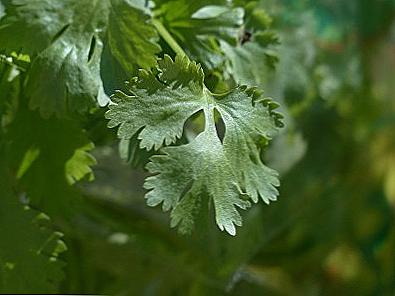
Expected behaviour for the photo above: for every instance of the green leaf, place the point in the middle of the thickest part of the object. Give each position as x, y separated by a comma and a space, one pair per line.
250, 61
229, 173
66, 39
29, 157
130, 37
196, 27
28, 249
49, 155
79, 165
31, 25
254, 54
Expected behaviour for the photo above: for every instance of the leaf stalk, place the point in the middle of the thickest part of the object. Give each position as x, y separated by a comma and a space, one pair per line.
164, 33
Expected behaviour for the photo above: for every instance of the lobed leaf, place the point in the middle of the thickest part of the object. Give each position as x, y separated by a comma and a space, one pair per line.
230, 173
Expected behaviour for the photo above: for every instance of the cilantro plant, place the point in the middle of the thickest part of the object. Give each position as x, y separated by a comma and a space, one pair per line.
141, 143
185, 115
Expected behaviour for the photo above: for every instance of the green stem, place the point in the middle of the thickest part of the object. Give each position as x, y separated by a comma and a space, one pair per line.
220, 94
168, 38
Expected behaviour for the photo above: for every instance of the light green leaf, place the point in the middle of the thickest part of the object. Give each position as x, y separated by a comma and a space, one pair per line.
229, 173
167, 122
79, 165
29, 157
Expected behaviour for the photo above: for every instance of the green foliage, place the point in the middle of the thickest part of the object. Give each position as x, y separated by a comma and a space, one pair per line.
130, 36
57, 145
230, 173
257, 40
79, 165
56, 65
66, 40
34, 152
28, 250
189, 135
198, 26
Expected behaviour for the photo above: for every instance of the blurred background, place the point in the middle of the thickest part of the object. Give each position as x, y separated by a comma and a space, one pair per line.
331, 232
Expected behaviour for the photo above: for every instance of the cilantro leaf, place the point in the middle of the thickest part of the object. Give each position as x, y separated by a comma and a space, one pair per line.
229, 173
79, 165
66, 39
254, 54
130, 36
249, 61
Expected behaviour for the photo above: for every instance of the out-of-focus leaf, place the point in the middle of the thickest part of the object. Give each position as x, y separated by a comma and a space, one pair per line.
251, 60
79, 165
28, 249
254, 54
56, 145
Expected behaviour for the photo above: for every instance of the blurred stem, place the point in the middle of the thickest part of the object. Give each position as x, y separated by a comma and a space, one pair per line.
168, 38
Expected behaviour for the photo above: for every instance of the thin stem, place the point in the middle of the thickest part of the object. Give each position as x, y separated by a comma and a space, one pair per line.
168, 38
220, 94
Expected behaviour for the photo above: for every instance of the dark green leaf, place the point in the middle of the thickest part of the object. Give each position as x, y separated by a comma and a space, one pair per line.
66, 40
29, 249
197, 27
